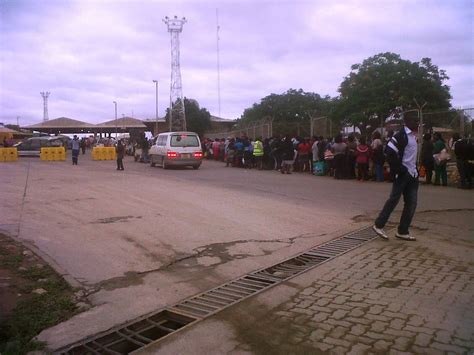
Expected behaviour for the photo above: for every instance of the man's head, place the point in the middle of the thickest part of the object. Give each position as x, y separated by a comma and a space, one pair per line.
411, 119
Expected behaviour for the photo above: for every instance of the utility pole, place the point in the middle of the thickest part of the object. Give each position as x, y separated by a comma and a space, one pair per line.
156, 113
461, 123
177, 116
116, 129
420, 115
420, 126
218, 65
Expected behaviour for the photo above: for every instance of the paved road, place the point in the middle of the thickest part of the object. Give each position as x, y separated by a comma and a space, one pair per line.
144, 238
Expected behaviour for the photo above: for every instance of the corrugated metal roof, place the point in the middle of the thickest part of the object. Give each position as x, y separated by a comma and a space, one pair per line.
61, 122
129, 122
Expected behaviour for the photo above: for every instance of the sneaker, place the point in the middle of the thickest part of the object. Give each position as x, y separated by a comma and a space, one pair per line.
380, 232
405, 236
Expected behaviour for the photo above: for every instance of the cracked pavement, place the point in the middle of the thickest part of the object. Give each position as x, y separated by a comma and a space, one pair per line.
145, 238
392, 297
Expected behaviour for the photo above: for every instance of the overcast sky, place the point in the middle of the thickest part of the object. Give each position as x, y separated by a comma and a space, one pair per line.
91, 53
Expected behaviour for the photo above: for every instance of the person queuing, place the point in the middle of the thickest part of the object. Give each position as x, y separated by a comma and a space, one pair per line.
427, 160
258, 153
362, 160
351, 157
287, 155
304, 149
464, 150
339, 150
441, 174
378, 157
342, 159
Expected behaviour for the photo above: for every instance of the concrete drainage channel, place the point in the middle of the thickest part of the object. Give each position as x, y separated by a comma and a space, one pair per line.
148, 329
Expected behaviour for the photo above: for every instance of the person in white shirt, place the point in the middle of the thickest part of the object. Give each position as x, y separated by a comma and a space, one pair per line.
401, 153
75, 149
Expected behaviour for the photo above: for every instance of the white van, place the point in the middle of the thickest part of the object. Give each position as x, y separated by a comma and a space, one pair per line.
176, 149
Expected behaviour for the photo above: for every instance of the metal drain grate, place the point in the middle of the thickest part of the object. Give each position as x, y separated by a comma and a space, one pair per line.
132, 336
147, 329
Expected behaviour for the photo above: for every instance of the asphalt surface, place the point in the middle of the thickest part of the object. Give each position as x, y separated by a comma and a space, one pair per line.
139, 240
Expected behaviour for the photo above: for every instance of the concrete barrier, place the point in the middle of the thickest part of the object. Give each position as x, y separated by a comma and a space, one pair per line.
53, 154
8, 154
103, 153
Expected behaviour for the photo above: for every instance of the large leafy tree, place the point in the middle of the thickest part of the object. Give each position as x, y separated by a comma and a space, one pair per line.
373, 89
294, 107
197, 119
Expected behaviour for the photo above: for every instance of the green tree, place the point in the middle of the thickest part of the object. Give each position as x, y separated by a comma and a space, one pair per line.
288, 110
197, 119
385, 81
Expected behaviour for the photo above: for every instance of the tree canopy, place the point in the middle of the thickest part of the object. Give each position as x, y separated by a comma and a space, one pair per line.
197, 119
287, 110
385, 81
291, 105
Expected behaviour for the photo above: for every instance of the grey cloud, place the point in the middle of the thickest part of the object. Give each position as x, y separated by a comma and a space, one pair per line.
88, 53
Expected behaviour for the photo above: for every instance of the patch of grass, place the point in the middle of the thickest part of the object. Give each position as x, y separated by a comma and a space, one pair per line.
9, 259
36, 273
33, 313
31, 316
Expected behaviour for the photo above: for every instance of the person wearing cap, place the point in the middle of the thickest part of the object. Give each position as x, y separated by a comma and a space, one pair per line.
75, 149
401, 153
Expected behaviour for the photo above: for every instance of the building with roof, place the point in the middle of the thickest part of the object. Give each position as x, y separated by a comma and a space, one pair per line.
61, 125
65, 125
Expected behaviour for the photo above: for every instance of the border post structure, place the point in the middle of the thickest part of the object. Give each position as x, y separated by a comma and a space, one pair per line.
177, 116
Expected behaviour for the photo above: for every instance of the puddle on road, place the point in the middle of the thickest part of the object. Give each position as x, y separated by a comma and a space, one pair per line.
115, 219
130, 278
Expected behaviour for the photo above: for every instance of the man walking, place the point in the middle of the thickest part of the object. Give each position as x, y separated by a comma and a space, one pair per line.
75, 149
401, 153
120, 153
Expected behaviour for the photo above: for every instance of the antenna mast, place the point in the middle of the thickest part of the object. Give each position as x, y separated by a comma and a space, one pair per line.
218, 64
45, 96
177, 117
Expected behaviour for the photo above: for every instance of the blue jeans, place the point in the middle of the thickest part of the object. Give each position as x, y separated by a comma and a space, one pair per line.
379, 172
407, 186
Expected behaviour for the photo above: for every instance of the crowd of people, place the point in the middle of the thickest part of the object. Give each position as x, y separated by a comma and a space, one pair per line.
341, 157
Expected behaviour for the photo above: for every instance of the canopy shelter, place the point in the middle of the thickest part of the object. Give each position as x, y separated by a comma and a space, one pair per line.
120, 125
151, 125
62, 125
11, 135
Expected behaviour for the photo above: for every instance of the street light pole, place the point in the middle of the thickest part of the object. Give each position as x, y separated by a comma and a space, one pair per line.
420, 127
420, 115
116, 129
156, 114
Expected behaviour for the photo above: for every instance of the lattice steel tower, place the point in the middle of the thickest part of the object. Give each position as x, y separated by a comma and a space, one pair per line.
177, 116
45, 104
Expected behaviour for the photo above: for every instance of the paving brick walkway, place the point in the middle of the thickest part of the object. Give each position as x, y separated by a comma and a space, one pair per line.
385, 297
399, 297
